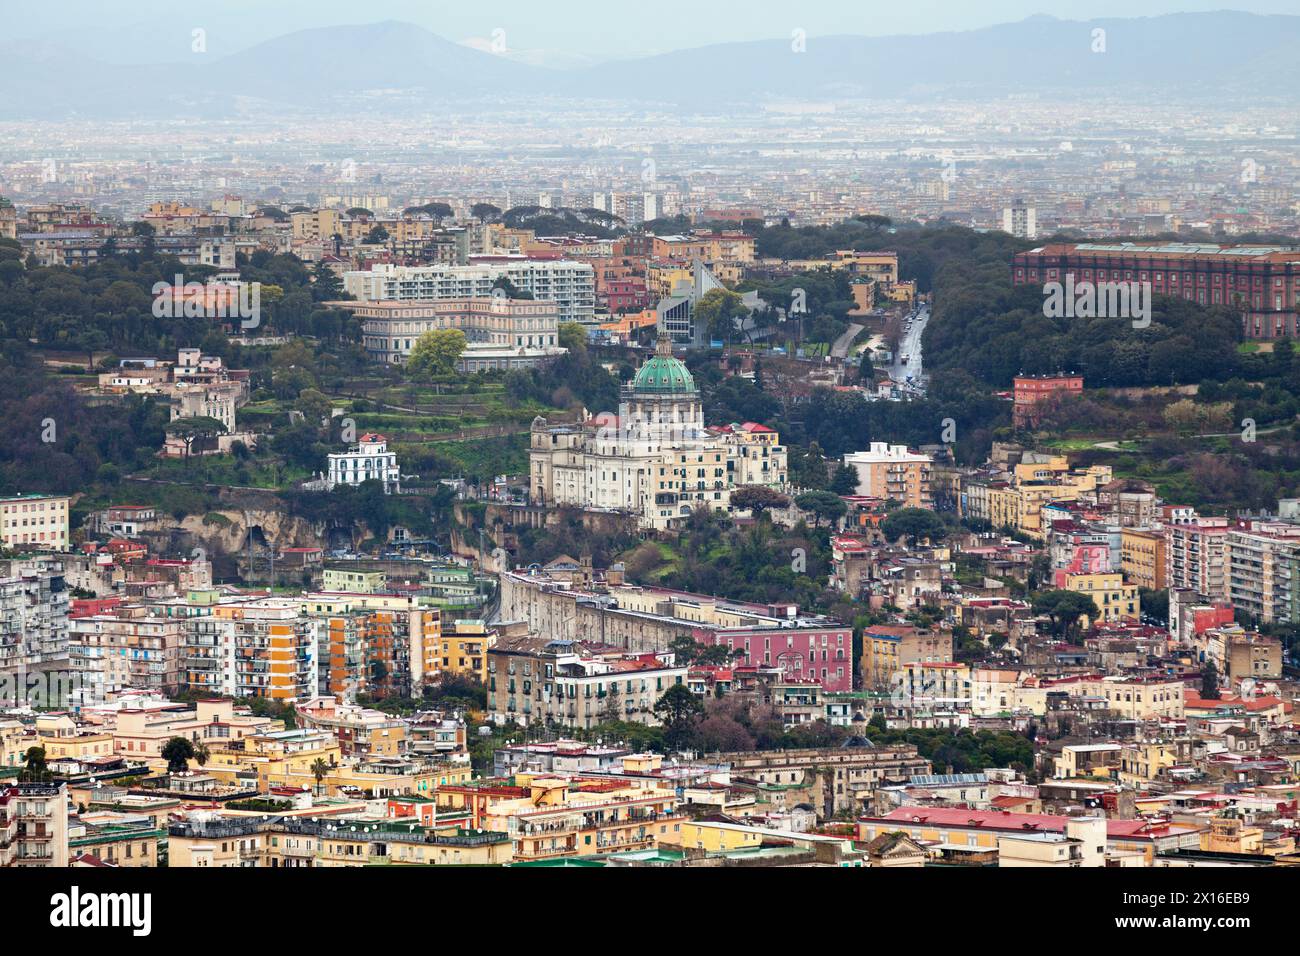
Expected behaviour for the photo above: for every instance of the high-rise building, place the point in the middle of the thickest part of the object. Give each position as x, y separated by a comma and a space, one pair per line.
1196, 556
892, 471
33, 616
1263, 570
1020, 220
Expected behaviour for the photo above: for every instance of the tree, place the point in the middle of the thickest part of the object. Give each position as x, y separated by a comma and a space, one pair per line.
1210, 681
679, 710
573, 337
845, 480
757, 499
913, 524
313, 404
377, 235
823, 505
722, 312
511, 290
320, 770
1064, 608
195, 429
177, 752
326, 286
483, 211
436, 353
688, 652
202, 754
34, 768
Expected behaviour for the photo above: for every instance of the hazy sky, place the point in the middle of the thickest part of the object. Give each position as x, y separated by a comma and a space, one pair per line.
133, 30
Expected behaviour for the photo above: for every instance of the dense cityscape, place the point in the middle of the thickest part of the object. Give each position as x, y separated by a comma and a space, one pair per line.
530, 473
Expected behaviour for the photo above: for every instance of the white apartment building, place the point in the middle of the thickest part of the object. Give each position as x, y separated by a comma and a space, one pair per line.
33, 614
570, 285
1020, 220
369, 460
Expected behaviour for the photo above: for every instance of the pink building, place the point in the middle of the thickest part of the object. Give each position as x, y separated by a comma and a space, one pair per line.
823, 654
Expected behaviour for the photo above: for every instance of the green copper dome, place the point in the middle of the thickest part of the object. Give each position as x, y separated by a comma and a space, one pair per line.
665, 374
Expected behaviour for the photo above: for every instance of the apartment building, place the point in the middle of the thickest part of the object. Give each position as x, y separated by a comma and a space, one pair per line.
561, 817
534, 679
1263, 570
1135, 698
34, 825
287, 841
1116, 600
1197, 556
569, 285
361, 731
983, 829
928, 684
888, 648
893, 472
34, 522
463, 649
1021, 220
140, 730
130, 649
259, 648
1083, 844
1143, 557
33, 615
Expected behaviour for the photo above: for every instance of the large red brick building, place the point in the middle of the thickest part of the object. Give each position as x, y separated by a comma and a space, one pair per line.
1262, 281
1032, 390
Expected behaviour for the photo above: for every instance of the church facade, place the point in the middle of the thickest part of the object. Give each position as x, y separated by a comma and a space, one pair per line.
656, 458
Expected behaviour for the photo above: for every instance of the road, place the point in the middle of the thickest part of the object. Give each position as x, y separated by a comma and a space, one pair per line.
841, 347
910, 345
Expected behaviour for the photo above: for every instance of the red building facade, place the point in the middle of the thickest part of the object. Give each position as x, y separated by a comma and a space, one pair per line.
1262, 281
1032, 390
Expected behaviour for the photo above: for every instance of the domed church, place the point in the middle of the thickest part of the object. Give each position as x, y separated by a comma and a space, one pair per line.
655, 458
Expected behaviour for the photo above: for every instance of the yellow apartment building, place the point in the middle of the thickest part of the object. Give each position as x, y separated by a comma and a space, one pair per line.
1141, 763
1116, 600
713, 838
561, 817
1143, 558
463, 649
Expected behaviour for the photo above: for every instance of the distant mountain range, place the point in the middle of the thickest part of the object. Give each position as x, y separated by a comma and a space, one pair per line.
1215, 57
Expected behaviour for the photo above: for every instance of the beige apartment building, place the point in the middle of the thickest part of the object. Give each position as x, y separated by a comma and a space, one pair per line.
34, 522
534, 679
34, 825
893, 472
